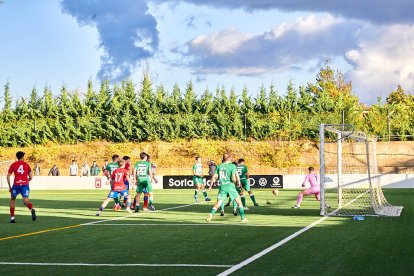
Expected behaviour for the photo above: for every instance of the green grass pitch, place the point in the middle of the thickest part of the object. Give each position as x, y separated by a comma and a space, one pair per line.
178, 235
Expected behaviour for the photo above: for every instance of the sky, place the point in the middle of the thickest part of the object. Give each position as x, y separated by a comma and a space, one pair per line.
229, 43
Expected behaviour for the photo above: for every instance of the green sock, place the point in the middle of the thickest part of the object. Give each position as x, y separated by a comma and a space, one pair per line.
241, 211
234, 205
253, 199
116, 199
195, 192
213, 210
222, 206
243, 200
205, 194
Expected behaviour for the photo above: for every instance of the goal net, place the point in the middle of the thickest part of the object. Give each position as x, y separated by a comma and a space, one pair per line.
350, 184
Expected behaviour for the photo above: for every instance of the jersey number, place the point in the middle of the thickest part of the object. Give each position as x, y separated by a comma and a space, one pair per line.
118, 177
20, 169
223, 175
142, 170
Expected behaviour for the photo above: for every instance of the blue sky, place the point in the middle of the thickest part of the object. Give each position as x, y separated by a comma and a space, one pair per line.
230, 43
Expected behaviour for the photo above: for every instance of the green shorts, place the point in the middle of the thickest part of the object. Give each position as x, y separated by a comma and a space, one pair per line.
239, 190
144, 184
245, 184
227, 190
198, 180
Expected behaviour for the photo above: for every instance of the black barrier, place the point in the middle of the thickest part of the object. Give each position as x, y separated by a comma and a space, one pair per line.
256, 181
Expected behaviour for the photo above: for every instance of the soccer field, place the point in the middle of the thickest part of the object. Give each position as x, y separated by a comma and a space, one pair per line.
68, 239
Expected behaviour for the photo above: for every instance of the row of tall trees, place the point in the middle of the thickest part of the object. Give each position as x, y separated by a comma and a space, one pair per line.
130, 112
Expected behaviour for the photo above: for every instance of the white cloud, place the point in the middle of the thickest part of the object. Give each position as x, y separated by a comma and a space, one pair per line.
310, 25
383, 59
221, 43
286, 45
144, 40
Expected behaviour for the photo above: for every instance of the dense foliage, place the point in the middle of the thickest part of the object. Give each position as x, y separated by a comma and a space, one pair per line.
124, 112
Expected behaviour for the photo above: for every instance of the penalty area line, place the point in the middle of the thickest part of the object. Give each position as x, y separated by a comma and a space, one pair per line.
184, 224
85, 224
40, 232
111, 265
136, 214
271, 248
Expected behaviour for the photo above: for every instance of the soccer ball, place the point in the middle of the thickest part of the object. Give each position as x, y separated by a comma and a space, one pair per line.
275, 192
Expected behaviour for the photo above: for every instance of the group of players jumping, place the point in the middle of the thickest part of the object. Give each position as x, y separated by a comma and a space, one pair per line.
233, 179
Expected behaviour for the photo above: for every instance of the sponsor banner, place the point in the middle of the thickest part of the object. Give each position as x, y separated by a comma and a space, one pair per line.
266, 181
256, 181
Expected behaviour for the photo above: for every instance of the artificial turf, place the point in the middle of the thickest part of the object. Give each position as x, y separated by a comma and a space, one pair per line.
177, 234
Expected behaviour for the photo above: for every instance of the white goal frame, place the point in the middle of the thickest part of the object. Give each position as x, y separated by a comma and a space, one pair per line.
370, 198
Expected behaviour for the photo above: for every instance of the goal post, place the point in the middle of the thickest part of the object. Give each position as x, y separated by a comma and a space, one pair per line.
350, 183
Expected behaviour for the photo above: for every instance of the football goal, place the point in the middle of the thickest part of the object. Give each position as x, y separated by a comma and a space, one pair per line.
350, 183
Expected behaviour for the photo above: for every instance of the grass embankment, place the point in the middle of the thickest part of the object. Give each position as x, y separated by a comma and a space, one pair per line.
262, 157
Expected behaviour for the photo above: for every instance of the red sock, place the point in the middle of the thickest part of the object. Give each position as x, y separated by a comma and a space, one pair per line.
30, 206
12, 211
145, 203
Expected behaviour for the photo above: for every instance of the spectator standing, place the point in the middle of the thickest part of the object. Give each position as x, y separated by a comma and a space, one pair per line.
54, 171
85, 169
36, 169
73, 168
95, 169
211, 169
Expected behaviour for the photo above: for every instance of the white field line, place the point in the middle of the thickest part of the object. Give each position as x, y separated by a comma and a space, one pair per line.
136, 214
111, 265
271, 248
282, 242
184, 224
176, 207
